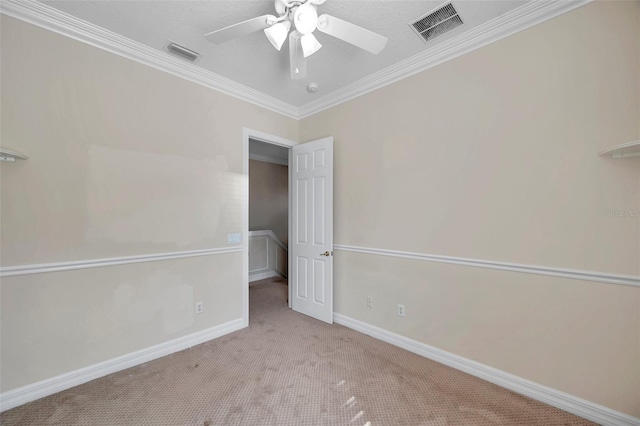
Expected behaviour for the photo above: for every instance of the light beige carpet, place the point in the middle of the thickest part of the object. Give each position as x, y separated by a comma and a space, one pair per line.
288, 369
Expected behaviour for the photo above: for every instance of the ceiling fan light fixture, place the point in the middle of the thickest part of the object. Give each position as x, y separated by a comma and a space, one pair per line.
305, 19
310, 45
297, 20
277, 33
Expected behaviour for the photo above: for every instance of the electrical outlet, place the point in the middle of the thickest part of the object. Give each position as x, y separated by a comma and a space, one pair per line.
369, 302
400, 310
199, 307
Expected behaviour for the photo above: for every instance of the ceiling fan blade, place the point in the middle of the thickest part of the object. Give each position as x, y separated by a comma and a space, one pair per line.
241, 29
346, 31
297, 61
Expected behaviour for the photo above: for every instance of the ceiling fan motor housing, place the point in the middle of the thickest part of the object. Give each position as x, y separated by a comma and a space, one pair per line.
282, 5
303, 14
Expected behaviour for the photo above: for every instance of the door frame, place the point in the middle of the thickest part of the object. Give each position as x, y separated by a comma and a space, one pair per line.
247, 134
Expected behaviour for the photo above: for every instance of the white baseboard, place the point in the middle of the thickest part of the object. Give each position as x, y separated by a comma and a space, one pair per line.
265, 275
572, 404
564, 401
28, 393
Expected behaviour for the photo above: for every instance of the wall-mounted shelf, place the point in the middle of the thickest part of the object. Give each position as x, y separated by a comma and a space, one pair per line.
9, 155
624, 150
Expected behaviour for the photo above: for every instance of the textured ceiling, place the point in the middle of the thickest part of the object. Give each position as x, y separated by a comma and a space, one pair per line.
253, 62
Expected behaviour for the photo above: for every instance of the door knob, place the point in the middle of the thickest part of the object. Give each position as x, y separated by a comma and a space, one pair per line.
326, 253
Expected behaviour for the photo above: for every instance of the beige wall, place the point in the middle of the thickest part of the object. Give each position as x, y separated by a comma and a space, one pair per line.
269, 198
493, 156
490, 156
125, 160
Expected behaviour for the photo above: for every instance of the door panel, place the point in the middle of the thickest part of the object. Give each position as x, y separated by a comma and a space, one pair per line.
312, 225
319, 217
301, 285
318, 280
301, 211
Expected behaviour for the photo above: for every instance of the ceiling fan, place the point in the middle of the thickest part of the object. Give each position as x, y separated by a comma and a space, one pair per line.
302, 16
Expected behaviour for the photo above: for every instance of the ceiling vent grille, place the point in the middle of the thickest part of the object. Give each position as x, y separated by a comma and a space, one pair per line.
437, 23
183, 52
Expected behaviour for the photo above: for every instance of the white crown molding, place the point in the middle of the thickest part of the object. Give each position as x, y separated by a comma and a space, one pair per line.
39, 14
28, 393
528, 15
578, 406
602, 277
268, 159
10, 271
531, 13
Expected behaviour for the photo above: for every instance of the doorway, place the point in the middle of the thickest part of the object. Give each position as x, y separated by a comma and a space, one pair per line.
268, 217
310, 224
266, 235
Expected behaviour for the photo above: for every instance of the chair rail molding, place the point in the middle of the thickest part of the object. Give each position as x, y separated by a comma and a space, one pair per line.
602, 277
10, 271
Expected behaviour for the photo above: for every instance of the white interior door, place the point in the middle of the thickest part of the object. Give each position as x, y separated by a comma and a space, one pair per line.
311, 245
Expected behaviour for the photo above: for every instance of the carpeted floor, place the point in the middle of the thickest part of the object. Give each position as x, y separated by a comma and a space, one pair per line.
288, 369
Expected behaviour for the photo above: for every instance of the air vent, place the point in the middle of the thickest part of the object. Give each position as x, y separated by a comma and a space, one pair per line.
437, 23
183, 52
